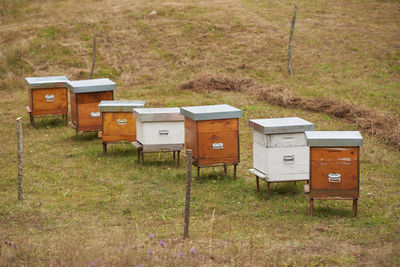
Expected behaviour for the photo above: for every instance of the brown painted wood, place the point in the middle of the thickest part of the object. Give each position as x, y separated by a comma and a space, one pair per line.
191, 136
333, 153
74, 109
326, 160
40, 106
215, 126
200, 135
113, 132
85, 103
206, 151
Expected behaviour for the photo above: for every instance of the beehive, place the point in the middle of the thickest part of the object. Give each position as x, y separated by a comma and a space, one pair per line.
159, 126
280, 150
47, 96
334, 164
117, 120
85, 98
212, 133
159, 130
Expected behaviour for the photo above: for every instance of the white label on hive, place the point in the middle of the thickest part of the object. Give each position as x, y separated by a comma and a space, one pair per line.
218, 145
122, 121
49, 98
334, 177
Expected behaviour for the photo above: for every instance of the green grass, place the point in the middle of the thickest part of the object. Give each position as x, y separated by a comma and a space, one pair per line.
82, 207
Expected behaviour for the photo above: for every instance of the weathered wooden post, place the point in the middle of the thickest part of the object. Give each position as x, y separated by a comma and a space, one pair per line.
20, 158
290, 41
188, 188
93, 57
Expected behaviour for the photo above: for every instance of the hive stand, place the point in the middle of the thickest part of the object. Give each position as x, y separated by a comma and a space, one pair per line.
174, 148
259, 175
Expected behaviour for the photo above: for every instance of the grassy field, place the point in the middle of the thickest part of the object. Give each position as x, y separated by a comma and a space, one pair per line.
82, 208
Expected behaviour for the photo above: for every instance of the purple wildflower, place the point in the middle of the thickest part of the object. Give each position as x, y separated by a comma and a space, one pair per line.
193, 251
91, 263
175, 255
162, 243
180, 254
14, 246
151, 235
150, 251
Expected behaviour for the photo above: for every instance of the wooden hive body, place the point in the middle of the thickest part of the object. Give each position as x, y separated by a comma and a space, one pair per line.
334, 164
85, 97
48, 95
118, 123
213, 141
280, 148
159, 127
334, 172
212, 133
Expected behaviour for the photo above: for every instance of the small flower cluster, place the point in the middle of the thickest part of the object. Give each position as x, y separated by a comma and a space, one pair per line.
10, 244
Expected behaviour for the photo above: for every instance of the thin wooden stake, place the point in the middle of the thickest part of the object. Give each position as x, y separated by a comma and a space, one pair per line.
289, 67
20, 158
93, 57
188, 189
211, 233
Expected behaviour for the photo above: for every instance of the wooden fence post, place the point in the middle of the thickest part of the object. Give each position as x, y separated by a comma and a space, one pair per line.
188, 189
289, 67
20, 158
93, 57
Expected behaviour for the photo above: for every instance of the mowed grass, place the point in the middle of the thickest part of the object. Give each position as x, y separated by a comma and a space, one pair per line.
83, 208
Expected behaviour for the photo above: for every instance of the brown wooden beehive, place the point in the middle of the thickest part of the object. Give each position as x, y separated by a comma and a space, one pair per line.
47, 96
212, 133
334, 165
118, 122
86, 95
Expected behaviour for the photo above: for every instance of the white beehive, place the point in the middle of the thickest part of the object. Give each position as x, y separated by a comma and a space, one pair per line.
280, 150
159, 126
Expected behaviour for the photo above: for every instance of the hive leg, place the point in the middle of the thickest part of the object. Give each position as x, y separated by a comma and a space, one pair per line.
32, 119
104, 148
311, 206
224, 168
198, 173
355, 203
294, 182
234, 171
138, 155
179, 159
141, 152
66, 120
258, 183
268, 188
173, 155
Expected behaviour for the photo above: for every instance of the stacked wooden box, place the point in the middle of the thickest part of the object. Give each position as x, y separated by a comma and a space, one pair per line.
118, 122
335, 169
280, 151
47, 96
159, 129
85, 98
212, 133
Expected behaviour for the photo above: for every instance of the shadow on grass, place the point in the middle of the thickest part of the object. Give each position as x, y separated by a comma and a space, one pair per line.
333, 212
278, 190
49, 122
213, 176
86, 136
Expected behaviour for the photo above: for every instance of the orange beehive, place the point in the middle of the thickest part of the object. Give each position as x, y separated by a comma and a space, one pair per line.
334, 165
212, 133
47, 96
86, 95
118, 122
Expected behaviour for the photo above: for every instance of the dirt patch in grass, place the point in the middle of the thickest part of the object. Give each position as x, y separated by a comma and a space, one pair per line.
220, 83
383, 126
